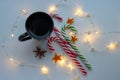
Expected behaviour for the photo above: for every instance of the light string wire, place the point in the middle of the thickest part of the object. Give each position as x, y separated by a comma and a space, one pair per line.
15, 61
88, 17
18, 17
15, 26
75, 77
94, 31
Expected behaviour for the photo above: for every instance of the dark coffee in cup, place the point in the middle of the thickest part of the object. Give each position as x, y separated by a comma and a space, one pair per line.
39, 25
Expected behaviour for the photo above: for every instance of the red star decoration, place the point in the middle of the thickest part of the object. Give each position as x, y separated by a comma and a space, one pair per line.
74, 38
56, 58
39, 52
70, 21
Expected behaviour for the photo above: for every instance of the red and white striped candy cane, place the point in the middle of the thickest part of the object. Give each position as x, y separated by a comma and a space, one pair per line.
61, 44
59, 18
76, 62
66, 44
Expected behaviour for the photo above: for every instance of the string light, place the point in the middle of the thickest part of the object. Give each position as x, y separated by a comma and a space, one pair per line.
79, 12
11, 59
71, 34
44, 70
112, 46
70, 66
52, 9
62, 62
24, 11
12, 35
14, 61
88, 38
97, 32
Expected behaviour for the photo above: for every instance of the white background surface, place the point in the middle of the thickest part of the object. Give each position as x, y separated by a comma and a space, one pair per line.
105, 64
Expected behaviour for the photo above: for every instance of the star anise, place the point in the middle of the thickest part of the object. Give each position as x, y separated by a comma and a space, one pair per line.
56, 58
74, 38
70, 21
39, 53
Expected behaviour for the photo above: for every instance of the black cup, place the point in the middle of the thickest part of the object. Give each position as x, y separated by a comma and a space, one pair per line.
39, 25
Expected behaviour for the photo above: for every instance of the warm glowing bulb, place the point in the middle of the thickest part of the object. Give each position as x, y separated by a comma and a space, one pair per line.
44, 70
97, 32
12, 35
52, 8
24, 11
79, 12
62, 61
88, 37
70, 66
112, 46
11, 59
71, 34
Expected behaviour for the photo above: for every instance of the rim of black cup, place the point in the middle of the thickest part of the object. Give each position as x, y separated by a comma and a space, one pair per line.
47, 33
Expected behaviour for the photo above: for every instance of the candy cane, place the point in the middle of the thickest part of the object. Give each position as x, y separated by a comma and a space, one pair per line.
64, 33
57, 17
83, 59
64, 47
77, 63
66, 44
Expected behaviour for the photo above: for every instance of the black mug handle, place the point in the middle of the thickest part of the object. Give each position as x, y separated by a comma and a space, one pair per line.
23, 37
